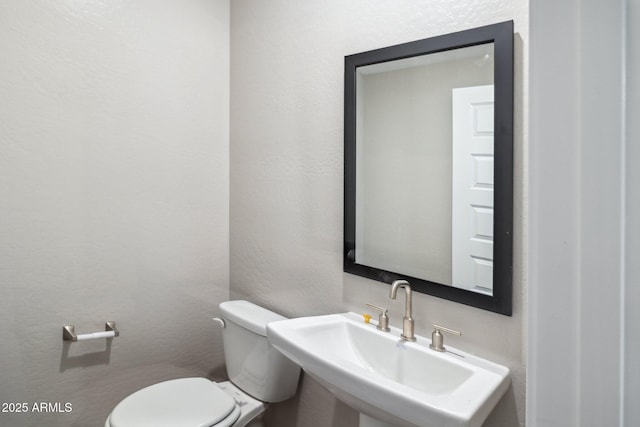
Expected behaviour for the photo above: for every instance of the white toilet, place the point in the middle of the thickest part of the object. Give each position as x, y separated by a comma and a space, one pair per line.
258, 373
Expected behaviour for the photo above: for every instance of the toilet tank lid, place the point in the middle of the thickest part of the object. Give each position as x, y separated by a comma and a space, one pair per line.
249, 315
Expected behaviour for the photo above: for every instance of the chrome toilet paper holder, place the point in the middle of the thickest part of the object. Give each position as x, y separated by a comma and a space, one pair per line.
69, 333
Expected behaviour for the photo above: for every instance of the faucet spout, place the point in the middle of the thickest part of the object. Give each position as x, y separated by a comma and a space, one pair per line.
407, 320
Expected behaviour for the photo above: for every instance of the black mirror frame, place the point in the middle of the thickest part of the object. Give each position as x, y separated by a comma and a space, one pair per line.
501, 35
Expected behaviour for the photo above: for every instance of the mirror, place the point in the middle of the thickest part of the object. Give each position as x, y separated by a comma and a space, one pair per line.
428, 165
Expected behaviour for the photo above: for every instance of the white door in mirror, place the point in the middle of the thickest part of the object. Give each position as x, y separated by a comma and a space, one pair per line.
472, 192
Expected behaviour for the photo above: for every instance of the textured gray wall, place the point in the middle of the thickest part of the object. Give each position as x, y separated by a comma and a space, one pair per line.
287, 68
114, 189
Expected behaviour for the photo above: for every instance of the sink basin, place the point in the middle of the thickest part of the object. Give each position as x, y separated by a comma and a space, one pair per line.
393, 381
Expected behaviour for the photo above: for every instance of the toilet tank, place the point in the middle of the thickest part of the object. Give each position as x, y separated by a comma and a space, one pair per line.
252, 363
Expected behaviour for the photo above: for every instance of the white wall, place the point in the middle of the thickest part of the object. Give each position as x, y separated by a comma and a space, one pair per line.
631, 321
114, 190
583, 321
287, 68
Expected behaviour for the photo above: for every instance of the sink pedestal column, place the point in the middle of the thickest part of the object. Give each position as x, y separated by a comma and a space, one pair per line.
367, 421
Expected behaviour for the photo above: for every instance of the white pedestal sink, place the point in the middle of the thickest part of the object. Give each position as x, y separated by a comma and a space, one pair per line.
390, 381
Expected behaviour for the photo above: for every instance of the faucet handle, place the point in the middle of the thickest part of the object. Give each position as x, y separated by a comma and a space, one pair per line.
437, 340
383, 319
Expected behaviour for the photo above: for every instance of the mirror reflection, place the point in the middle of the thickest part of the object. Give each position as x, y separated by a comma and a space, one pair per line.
424, 167
428, 157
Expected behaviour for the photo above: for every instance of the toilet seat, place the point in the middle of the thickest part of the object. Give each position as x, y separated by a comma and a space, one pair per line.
185, 402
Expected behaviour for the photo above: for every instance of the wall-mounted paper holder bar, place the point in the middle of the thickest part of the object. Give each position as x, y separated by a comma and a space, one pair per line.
69, 333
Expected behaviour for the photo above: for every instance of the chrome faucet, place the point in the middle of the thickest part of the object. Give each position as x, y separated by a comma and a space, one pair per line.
407, 320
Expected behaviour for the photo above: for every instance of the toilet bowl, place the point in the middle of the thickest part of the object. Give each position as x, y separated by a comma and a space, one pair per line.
258, 374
